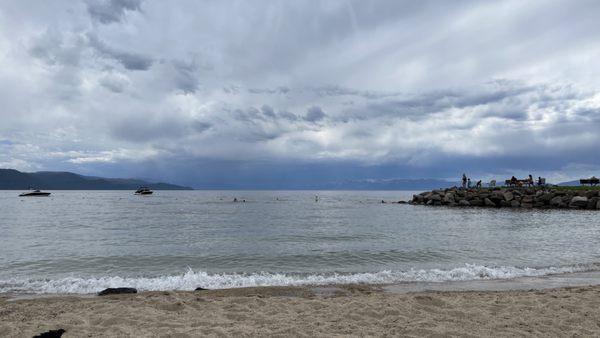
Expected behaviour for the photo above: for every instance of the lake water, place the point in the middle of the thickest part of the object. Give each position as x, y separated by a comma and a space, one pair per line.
84, 241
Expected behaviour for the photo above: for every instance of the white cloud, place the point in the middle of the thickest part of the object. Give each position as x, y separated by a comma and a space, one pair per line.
421, 85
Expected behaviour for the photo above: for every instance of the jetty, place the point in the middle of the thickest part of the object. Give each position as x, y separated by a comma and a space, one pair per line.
512, 197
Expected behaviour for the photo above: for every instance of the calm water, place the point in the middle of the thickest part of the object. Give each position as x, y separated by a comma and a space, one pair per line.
83, 241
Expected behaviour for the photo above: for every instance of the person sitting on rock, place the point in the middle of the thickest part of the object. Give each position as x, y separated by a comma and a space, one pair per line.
530, 180
478, 185
513, 180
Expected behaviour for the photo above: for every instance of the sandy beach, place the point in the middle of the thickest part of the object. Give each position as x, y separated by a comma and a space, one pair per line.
309, 311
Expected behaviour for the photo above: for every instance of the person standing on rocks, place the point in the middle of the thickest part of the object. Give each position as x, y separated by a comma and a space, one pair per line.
469, 185
530, 180
464, 181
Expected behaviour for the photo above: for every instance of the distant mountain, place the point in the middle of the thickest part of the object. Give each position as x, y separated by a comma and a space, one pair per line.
569, 183
393, 184
11, 179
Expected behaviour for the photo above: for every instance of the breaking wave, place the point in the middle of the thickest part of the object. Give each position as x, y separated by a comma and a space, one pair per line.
192, 279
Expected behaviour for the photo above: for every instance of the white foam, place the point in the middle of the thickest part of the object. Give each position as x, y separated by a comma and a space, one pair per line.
191, 279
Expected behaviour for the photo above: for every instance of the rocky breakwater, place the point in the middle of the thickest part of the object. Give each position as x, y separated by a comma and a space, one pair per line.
541, 198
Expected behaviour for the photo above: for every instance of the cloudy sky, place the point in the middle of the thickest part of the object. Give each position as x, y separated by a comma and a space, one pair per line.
269, 93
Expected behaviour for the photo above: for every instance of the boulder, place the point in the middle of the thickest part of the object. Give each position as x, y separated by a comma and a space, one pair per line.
476, 202
592, 202
546, 197
116, 291
488, 203
449, 198
508, 196
401, 202
419, 199
527, 199
578, 202
515, 204
435, 197
598, 205
526, 205
200, 289
504, 204
556, 201
465, 203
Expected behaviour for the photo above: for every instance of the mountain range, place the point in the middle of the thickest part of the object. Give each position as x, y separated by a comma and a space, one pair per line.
11, 179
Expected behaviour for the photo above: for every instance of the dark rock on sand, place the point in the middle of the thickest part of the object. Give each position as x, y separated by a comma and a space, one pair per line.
116, 291
51, 334
200, 289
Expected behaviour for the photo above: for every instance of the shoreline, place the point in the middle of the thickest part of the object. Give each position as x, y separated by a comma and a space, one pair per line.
543, 282
355, 310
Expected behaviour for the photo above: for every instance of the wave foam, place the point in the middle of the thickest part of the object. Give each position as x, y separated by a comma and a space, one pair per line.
190, 279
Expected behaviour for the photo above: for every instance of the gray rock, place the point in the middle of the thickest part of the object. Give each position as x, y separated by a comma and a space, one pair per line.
418, 199
592, 202
489, 203
476, 202
436, 197
508, 196
515, 204
556, 201
527, 199
465, 203
578, 202
449, 198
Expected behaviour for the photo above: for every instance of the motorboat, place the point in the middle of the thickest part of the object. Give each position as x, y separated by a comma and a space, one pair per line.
35, 192
143, 191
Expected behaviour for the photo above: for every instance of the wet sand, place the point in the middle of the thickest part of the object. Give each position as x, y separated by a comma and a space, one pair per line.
310, 311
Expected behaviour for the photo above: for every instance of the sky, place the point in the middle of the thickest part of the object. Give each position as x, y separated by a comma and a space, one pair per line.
279, 93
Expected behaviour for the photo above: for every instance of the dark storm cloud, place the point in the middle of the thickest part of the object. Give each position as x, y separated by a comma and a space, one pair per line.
314, 114
109, 11
129, 60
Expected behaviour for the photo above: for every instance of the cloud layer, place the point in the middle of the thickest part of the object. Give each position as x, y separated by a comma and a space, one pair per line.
218, 93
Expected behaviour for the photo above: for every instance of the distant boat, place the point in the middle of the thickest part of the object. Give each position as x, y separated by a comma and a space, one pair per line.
35, 192
143, 191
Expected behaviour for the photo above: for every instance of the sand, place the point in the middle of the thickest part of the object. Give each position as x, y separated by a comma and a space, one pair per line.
309, 311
